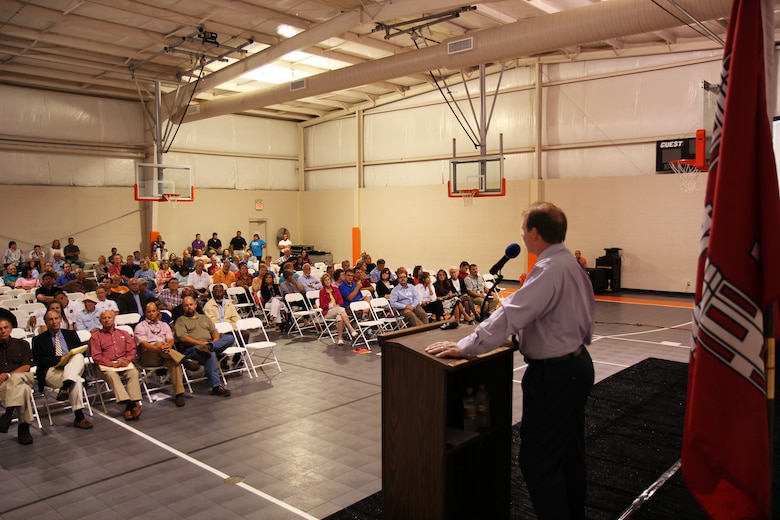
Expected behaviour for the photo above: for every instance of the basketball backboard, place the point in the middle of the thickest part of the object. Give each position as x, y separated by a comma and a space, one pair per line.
161, 182
484, 174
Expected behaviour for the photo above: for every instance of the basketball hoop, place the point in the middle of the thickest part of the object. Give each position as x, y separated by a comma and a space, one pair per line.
687, 173
468, 196
171, 199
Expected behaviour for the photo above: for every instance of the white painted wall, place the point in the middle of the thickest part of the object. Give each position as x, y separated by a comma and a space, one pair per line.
610, 191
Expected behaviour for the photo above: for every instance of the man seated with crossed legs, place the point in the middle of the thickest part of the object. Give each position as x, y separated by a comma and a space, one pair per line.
15, 382
202, 342
48, 348
155, 340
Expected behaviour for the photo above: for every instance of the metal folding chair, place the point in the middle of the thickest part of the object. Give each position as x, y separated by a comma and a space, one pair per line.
263, 347
367, 329
228, 353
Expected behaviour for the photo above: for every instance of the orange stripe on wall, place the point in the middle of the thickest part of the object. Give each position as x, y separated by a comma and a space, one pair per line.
355, 244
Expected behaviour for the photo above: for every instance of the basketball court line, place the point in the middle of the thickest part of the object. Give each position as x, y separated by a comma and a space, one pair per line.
206, 467
644, 301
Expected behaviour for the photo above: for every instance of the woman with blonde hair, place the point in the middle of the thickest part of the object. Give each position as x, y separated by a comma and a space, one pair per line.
332, 304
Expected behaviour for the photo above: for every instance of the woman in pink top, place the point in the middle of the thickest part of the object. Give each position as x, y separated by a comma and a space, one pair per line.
331, 304
162, 276
26, 280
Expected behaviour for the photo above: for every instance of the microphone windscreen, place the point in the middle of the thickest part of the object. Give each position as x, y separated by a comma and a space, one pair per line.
512, 250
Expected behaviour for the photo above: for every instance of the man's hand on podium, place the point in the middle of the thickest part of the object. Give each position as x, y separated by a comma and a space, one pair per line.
444, 349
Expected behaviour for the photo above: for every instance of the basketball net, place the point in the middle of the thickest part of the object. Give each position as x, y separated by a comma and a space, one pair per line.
687, 173
171, 199
468, 197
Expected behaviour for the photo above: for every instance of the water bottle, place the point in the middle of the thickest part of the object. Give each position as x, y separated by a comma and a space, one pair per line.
482, 402
469, 411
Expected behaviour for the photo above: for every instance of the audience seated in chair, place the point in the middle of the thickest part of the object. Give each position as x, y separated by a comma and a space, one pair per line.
16, 382
428, 300
331, 304
113, 351
129, 268
45, 293
134, 300
89, 317
145, 272
405, 299
80, 283
308, 281
202, 343
70, 308
104, 303
72, 252
66, 276
154, 339
224, 275
200, 281
48, 348
475, 288
350, 289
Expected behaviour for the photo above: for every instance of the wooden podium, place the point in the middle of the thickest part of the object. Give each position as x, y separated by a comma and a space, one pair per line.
431, 467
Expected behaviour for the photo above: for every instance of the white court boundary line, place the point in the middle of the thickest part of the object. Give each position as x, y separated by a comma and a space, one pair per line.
208, 468
673, 327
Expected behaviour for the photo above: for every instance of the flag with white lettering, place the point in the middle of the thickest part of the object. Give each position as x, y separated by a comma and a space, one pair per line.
725, 455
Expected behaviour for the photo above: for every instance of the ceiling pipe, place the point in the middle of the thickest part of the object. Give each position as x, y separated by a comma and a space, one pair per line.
593, 23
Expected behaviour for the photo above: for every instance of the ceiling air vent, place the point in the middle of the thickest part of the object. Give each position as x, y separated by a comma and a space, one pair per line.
297, 85
463, 45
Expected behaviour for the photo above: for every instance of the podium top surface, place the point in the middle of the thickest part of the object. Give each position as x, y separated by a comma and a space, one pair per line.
415, 339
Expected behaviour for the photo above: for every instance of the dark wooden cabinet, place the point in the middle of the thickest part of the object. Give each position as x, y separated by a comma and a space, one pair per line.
431, 467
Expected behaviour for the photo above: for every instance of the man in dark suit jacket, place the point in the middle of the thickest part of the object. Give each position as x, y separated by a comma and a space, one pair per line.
134, 300
68, 378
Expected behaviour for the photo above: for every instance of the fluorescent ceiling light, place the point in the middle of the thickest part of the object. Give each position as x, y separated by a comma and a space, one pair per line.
275, 74
288, 31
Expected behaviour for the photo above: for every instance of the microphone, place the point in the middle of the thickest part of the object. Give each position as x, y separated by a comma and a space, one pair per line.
511, 251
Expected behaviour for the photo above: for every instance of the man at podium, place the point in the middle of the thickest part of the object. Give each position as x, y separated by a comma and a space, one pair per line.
552, 316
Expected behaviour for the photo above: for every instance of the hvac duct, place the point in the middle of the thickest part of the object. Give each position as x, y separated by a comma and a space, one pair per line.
598, 22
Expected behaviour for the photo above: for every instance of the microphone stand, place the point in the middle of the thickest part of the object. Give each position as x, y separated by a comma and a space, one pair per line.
497, 279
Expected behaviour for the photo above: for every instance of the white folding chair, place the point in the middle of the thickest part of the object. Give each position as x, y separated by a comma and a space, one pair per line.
28, 297
312, 298
15, 292
211, 288
228, 353
131, 319
31, 307
490, 281
300, 311
75, 296
47, 390
385, 313
5, 296
4, 289
245, 308
126, 328
12, 304
33, 407
22, 317
19, 333
262, 347
367, 329
145, 376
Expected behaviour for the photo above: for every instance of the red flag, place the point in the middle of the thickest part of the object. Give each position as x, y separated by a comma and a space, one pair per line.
725, 453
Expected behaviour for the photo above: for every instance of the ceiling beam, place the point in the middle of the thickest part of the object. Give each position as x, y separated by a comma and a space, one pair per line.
524, 38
